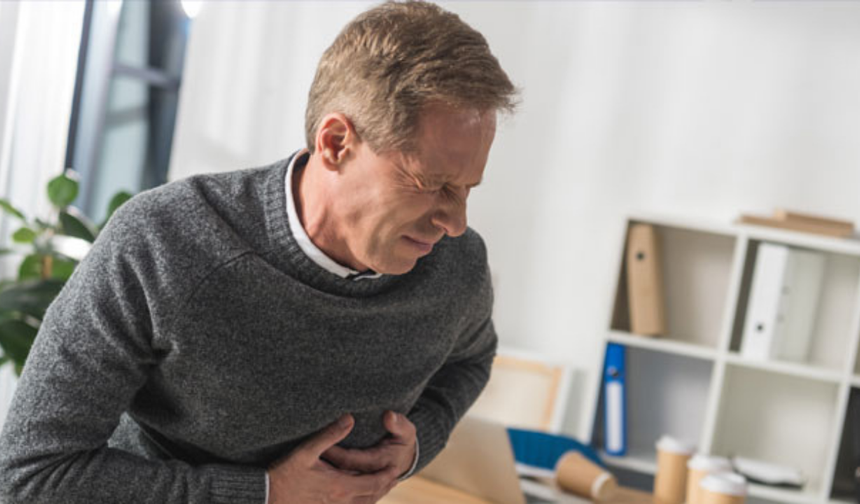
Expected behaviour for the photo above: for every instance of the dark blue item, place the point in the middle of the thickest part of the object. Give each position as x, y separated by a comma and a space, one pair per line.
615, 401
539, 449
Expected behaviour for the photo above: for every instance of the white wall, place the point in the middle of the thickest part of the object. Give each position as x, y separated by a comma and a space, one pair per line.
692, 108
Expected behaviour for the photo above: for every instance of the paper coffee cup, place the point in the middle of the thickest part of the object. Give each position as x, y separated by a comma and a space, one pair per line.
723, 488
670, 483
697, 468
578, 475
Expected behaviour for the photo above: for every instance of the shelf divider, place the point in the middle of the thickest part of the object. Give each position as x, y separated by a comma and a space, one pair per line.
664, 345
787, 368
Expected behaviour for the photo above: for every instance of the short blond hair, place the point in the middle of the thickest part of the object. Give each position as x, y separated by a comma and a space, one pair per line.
391, 61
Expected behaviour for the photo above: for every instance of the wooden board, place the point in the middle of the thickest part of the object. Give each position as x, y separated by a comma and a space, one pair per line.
421, 491
796, 225
521, 393
846, 227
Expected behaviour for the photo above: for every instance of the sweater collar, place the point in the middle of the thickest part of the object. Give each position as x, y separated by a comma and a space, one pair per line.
298, 163
286, 254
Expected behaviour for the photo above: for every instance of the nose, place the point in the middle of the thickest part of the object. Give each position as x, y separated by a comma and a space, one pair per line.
450, 217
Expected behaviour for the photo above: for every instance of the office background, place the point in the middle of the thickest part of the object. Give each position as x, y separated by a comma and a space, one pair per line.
687, 108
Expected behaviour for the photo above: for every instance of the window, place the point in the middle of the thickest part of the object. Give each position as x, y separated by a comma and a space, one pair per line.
130, 70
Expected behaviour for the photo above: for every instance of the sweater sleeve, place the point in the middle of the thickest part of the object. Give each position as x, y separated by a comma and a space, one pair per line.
92, 354
454, 387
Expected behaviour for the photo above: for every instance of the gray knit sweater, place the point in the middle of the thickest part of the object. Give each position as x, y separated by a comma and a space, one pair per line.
196, 344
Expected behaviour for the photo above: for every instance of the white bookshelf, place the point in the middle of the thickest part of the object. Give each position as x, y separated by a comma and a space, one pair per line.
694, 383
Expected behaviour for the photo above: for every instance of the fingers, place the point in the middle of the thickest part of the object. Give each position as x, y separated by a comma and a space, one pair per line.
328, 437
399, 426
365, 461
371, 484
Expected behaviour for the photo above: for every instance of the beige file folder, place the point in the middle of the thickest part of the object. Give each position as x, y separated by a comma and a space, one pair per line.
645, 281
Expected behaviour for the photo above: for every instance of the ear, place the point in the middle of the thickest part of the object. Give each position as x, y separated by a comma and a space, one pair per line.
336, 139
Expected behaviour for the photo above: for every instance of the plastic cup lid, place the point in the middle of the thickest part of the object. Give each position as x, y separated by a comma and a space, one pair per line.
702, 462
725, 483
670, 444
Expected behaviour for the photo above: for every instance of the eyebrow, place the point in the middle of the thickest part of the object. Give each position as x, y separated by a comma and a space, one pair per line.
434, 181
431, 181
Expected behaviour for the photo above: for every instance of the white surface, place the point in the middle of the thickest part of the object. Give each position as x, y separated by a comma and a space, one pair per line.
801, 310
701, 462
673, 445
763, 313
783, 304
726, 484
787, 368
663, 345
772, 474
615, 441
8, 381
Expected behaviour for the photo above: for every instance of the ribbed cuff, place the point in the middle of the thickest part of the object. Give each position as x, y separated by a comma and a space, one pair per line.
431, 437
417, 457
237, 485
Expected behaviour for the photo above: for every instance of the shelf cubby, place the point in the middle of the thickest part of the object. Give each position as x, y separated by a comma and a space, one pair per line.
696, 269
844, 485
658, 385
777, 418
694, 383
831, 333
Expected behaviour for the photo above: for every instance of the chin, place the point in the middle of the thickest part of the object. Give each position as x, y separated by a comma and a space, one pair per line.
397, 268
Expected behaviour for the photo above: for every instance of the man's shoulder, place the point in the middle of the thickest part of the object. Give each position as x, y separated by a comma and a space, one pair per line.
462, 262
216, 189
186, 201
211, 214
468, 249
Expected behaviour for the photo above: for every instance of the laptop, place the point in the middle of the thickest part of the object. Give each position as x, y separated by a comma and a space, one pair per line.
479, 460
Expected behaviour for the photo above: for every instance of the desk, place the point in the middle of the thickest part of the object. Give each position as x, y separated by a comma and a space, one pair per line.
421, 491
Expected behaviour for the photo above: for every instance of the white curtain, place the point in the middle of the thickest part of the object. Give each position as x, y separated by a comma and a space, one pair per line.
39, 44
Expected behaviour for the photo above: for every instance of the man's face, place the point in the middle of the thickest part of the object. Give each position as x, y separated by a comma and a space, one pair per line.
397, 205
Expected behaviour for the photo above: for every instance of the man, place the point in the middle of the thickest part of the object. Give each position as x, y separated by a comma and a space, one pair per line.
304, 332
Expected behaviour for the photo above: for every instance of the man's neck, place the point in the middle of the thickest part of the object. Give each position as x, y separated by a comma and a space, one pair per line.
313, 200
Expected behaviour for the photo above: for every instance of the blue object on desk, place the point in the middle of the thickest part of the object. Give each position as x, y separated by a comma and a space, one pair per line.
615, 400
539, 449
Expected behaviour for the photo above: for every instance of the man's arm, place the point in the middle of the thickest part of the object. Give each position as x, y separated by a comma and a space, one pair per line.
92, 354
451, 392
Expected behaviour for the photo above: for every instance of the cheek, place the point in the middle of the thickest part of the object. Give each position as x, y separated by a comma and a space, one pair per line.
406, 209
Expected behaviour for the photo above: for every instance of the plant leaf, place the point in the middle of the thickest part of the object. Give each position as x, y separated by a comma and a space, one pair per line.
31, 268
63, 268
62, 190
5, 205
31, 297
16, 338
24, 235
77, 226
117, 201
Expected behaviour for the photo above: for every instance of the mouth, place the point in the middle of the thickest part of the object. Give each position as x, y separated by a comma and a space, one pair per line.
422, 246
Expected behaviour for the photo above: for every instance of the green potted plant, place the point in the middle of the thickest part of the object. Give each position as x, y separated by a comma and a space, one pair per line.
52, 250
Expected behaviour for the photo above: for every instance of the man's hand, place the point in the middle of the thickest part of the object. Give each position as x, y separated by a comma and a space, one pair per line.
396, 451
302, 478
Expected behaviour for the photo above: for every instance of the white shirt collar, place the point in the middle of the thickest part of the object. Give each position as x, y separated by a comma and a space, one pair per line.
315, 254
